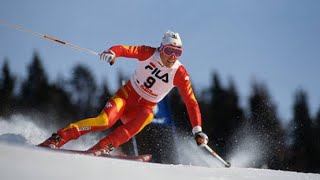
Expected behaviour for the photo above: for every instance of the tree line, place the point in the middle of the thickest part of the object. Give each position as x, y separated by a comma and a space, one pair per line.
294, 147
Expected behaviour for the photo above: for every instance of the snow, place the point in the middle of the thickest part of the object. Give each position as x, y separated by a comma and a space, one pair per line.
20, 160
28, 163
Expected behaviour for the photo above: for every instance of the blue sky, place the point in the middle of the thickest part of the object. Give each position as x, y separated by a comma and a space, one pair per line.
274, 41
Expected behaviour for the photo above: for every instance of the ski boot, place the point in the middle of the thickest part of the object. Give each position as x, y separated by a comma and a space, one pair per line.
104, 146
55, 141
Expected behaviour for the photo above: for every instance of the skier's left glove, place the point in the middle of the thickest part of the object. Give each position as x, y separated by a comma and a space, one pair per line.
200, 137
108, 56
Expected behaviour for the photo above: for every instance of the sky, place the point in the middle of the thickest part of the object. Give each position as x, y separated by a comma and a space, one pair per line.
21, 160
272, 41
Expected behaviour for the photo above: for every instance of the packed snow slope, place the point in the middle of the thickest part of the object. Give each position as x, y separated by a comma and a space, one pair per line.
21, 160
28, 163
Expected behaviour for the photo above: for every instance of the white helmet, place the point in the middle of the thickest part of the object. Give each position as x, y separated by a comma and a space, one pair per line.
171, 38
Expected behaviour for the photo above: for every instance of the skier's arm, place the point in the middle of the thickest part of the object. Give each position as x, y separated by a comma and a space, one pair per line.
182, 81
139, 52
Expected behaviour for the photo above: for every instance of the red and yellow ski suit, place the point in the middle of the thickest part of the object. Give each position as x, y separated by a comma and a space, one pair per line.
133, 103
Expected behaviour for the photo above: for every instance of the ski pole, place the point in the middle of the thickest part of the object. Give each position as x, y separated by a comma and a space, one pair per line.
48, 37
226, 164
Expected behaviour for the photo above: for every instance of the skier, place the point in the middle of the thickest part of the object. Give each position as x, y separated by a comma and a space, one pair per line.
157, 73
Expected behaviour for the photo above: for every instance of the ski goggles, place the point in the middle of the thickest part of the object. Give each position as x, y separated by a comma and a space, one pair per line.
172, 50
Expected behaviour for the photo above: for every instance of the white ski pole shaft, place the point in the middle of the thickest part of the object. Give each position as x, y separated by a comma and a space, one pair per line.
49, 38
226, 164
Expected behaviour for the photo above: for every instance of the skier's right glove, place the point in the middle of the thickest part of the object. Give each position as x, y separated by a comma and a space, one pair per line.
200, 137
108, 56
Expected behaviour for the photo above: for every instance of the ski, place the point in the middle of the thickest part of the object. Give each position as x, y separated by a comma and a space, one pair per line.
139, 158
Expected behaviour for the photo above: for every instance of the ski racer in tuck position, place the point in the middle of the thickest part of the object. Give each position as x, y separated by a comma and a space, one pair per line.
158, 71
